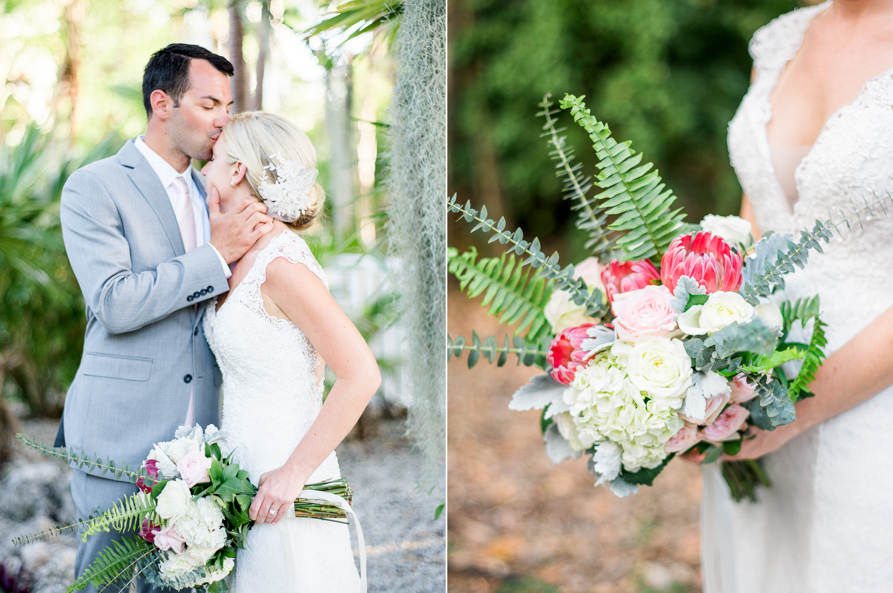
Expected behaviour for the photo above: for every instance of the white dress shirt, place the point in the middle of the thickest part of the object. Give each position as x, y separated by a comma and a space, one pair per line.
166, 174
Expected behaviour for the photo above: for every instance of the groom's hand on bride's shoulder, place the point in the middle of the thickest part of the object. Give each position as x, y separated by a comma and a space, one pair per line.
234, 232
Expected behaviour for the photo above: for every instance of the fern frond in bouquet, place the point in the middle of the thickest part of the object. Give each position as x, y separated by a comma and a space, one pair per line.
666, 340
189, 516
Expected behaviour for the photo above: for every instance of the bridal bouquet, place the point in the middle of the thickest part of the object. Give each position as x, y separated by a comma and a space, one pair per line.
665, 341
190, 514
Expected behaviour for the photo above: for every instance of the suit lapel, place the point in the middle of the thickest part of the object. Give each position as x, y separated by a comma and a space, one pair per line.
150, 187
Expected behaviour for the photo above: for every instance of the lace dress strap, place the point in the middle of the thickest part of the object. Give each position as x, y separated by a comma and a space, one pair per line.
774, 44
288, 245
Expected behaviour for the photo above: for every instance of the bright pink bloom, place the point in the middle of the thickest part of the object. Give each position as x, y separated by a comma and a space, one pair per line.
625, 276
726, 427
565, 353
704, 257
152, 470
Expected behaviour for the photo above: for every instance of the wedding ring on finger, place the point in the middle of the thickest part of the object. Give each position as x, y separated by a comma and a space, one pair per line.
273, 511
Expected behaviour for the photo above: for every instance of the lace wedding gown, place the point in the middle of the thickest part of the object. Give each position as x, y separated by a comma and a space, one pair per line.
827, 522
271, 396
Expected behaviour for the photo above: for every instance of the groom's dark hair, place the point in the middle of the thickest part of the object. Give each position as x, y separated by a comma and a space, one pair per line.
168, 70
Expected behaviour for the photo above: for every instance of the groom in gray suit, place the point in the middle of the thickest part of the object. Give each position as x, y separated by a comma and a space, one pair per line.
148, 254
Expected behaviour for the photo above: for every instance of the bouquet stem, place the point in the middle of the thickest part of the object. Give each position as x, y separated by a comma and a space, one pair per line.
743, 478
318, 509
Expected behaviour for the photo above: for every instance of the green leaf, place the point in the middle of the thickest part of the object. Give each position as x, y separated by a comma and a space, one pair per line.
645, 476
713, 453
439, 510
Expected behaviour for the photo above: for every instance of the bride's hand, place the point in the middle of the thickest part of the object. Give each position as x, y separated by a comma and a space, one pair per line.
277, 490
764, 442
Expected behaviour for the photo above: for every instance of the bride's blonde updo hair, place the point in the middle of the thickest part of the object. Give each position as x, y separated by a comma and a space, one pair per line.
261, 141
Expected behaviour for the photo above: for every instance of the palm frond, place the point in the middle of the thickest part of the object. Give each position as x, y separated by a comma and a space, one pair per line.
575, 186
634, 193
513, 293
528, 353
363, 16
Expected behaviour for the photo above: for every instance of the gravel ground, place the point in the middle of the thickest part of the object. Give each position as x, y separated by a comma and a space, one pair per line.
405, 545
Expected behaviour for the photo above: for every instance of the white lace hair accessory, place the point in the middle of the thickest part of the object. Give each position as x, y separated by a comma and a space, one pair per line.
289, 198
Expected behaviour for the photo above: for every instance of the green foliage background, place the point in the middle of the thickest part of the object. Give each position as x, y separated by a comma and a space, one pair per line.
666, 74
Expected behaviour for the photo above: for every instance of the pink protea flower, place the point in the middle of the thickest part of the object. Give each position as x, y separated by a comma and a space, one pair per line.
706, 258
625, 276
565, 353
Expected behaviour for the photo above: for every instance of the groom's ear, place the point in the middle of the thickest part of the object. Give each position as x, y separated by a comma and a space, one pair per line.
161, 103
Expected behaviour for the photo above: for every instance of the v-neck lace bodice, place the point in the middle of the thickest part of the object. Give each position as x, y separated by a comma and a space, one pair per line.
826, 524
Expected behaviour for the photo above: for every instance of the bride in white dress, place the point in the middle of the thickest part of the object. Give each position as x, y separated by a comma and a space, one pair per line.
270, 334
812, 137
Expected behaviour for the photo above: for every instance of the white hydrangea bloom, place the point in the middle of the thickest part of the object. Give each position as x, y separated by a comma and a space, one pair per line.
201, 525
174, 565
606, 406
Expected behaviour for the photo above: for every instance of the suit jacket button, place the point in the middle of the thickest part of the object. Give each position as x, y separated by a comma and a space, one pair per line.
187, 379
210, 289
195, 332
196, 294
190, 298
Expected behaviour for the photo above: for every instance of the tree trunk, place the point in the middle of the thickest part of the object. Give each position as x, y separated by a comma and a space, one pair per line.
263, 42
75, 11
239, 82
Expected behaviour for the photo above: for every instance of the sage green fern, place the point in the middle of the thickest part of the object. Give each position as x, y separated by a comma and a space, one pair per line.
634, 193
514, 294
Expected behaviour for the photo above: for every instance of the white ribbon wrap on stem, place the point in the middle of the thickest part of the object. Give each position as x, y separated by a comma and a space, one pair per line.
340, 503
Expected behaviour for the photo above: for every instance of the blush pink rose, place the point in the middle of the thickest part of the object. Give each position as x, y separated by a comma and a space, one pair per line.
193, 468
714, 406
704, 257
742, 391
684, 439
619, 277
726, 427
169, 539
565, 353
644, 312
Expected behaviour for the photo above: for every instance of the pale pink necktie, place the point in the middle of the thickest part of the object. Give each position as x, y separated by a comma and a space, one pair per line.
184, 213
186, 222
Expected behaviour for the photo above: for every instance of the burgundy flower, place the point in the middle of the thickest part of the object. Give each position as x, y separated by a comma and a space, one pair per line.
152, 470
625, 276
147, 531
704, 257
565, 353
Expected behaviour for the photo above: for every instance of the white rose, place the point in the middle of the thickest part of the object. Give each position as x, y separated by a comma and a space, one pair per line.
720, 310
733, 229
166, 467
173, 500
175, 565
561, 312
178, 448
771, 314
661, 368
198, 556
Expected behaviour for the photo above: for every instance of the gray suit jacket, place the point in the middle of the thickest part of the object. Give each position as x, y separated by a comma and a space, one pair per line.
144, 346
